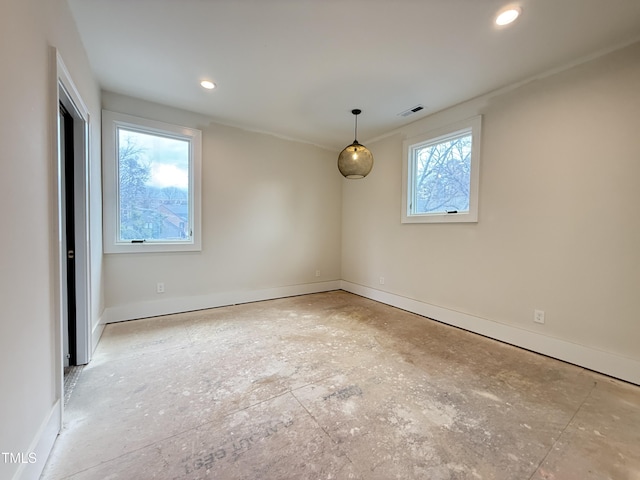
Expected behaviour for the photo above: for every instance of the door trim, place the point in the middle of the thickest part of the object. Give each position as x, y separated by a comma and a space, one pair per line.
65, 93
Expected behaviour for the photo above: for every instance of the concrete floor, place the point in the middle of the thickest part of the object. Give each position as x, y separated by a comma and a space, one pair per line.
336, 386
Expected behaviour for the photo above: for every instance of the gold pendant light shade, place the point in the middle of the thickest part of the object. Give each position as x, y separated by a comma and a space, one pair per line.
355, 161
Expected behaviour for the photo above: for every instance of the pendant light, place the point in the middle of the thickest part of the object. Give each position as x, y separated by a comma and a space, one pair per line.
355, 161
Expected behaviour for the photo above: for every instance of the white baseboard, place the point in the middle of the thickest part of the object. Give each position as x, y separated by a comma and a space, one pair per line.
201, 302
41, 445
96, 333
624, 368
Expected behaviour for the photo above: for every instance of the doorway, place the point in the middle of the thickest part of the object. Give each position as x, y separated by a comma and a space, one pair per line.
67, 161
73, 224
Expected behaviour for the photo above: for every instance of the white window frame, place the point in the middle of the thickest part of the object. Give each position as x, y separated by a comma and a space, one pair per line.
473, 126
111, 121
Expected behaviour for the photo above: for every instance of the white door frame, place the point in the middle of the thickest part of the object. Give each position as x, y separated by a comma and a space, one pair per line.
67, 94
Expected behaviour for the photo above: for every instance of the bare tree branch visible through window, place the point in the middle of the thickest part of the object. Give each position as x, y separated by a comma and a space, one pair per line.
443, 175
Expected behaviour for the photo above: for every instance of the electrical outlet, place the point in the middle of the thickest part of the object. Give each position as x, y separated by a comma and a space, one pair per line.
160, 287
538, 316
317, 273
381, 280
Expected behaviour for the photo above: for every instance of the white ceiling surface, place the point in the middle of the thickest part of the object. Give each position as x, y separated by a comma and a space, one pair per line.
296, 68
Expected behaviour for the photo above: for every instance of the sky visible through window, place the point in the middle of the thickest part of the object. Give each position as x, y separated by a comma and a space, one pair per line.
168, 158
153, 175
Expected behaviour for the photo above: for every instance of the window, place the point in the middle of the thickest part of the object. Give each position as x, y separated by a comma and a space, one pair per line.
151, 185
440, 175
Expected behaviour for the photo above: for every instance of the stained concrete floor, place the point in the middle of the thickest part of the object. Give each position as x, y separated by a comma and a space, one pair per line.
336, 386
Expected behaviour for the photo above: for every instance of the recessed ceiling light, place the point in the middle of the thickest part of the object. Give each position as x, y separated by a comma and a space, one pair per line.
208, 85
508, 15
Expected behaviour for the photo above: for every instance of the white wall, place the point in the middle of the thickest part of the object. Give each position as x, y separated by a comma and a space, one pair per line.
271, 217
28, 323
558, 224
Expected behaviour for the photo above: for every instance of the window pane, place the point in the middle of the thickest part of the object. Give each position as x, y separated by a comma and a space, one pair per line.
153, 188
442, 176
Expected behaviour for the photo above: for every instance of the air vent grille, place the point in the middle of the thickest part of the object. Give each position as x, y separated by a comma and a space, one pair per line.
411, 111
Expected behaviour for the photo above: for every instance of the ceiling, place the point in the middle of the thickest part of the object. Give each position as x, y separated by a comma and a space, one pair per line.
296, 68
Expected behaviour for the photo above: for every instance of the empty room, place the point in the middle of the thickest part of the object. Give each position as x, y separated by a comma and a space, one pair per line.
311, 239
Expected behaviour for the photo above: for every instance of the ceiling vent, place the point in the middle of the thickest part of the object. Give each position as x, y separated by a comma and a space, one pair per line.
411, 111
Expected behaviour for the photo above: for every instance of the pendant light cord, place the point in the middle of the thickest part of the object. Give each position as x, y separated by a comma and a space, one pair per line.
356, 112
356, 130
